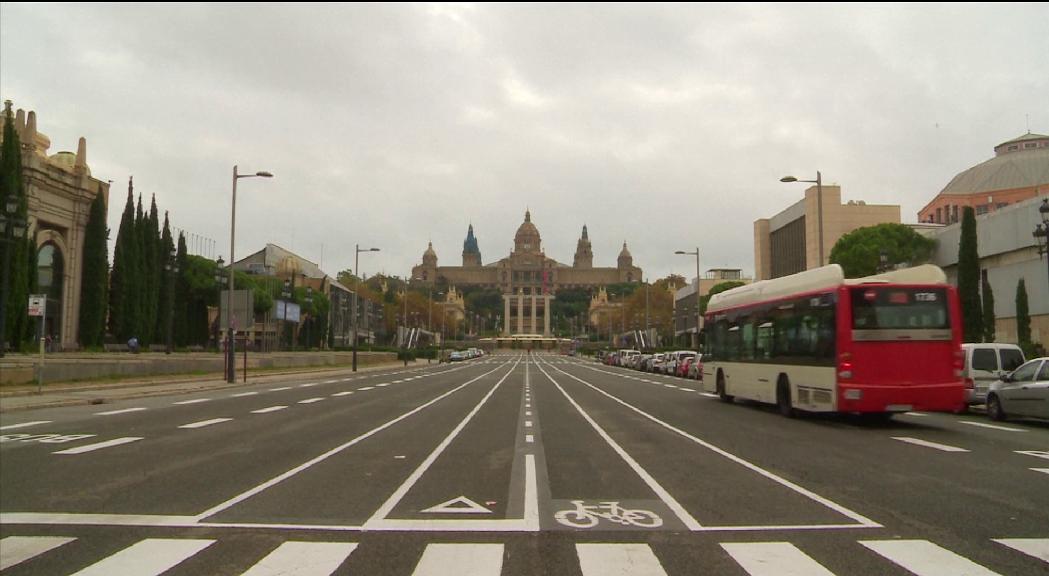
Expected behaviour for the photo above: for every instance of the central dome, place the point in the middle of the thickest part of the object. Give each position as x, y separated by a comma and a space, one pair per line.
527, 238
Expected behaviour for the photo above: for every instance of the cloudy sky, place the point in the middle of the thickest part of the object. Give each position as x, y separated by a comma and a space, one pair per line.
664, 126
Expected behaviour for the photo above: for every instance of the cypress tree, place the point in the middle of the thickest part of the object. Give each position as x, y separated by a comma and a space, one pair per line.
16, 325
988, 312
137, 297
166, 294
94, 295
151, 268
1023, 319
182, 293
122, 287
969, 279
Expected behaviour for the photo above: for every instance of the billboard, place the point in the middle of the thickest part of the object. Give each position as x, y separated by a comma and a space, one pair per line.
285, 310
243, 309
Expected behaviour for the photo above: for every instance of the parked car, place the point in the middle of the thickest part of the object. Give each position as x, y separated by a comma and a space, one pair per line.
985, 364
695, 369
683, 365
1024, 392
671, 365
650, 364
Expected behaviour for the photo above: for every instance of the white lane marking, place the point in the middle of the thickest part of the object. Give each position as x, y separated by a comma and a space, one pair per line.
367, 388
347, 393
1036, 547
99, 445
924, 558
268, 410
310, 400
25, 424
774, 559
919, 414
458, 505
862, 520
624, 559
383, 385
18, 549
1035, 453
708, 394
197, 401
672, 503
403, 489
991, 426
529, 438
309, 463
669, 386
528, 423
280, 389
146, 558
204, 423
689, 389
303, 559
927, 444
308, 385
243, 394
460, 559
330, 381
1042, 470
124, 411
528, 413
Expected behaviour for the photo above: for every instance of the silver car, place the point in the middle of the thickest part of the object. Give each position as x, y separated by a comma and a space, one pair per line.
985, 364
1022, 393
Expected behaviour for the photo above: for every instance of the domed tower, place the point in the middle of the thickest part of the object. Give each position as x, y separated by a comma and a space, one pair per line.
584, 254
625, 259
527, 239
427, 271
471, 253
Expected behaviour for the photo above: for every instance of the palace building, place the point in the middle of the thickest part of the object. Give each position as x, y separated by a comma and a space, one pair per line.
527, 278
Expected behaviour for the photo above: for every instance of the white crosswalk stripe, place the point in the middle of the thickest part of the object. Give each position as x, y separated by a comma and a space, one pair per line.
924, 558
303, 559
618, 559
18, 549
774, 559
146, 558
460, 559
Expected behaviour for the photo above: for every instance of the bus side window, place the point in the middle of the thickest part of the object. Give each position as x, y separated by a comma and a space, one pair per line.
765, 339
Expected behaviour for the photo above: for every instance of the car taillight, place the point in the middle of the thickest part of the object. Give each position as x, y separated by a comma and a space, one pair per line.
959, 363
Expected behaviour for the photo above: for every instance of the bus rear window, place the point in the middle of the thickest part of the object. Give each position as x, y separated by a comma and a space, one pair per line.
888, 308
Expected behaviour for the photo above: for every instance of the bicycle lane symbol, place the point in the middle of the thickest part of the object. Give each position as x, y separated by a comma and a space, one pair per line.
613, 515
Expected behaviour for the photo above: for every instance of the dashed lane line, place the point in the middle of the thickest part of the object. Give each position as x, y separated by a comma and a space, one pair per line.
115, 412
99, 445
991, 426
268, 410
204, 423
25, 425
927, 444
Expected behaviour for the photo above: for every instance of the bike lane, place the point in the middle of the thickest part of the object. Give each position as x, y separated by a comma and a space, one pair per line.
719, 489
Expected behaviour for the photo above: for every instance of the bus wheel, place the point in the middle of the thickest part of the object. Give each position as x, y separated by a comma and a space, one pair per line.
994, 408
783, 398
721, 388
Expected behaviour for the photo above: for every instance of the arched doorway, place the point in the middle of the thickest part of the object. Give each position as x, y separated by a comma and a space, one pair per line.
50, 275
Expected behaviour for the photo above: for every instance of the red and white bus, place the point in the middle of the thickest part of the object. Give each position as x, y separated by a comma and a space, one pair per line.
817, 342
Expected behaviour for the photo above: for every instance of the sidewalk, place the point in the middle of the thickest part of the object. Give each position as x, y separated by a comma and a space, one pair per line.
59, 394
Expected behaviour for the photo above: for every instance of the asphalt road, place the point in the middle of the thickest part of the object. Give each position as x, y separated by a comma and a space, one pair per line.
512, 464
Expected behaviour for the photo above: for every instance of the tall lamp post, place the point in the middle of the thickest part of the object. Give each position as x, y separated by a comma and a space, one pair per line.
231, 377
1041, 234
699, 317
12, 230
356, 290
819, 203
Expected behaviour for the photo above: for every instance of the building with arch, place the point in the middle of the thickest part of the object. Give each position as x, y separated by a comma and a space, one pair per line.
527, 278
59, 189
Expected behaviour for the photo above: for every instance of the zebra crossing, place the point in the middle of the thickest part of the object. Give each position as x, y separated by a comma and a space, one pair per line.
154, 556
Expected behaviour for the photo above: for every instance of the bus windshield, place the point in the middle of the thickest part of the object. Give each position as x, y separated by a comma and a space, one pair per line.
892, 308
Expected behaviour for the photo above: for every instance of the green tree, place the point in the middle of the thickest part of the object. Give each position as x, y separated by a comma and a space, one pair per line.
15, 254
94, 293
717, 289
988, 312
166, 292
152, 266
1023, 319
181, 294
859, 252
123, 281
969, 279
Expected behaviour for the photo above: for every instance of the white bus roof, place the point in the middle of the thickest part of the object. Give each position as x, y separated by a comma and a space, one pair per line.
818, 279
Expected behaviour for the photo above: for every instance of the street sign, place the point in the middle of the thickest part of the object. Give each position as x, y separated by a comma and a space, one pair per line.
37, 304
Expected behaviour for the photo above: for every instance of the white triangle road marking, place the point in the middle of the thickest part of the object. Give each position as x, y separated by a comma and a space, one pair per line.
460, 505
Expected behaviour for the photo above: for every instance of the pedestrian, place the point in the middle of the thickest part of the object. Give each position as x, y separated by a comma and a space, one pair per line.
132, 345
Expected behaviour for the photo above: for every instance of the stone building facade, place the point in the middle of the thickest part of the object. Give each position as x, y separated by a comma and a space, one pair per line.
59, 189
528, 278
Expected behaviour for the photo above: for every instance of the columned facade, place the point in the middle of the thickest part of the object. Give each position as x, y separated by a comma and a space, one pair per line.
524, 312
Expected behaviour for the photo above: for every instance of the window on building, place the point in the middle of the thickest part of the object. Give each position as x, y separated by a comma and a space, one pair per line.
981, 209
939, 215
1030, 145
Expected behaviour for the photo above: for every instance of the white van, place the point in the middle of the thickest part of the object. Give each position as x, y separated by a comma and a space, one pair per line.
985, 364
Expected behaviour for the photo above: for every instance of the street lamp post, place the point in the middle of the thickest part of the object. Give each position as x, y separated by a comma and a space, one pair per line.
356, 291
699, 317
1041, 235
12, 230
231, 377
819, 203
